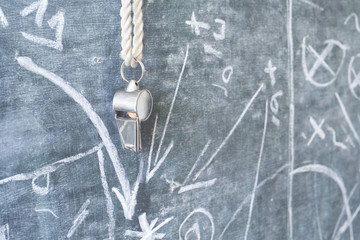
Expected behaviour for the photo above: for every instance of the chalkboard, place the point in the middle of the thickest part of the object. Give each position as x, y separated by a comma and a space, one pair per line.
254, 132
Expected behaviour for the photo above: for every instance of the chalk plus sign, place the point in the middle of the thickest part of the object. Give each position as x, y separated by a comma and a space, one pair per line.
195, 25
270, 70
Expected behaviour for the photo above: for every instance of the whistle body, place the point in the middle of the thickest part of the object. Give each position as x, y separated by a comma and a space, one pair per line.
132, 105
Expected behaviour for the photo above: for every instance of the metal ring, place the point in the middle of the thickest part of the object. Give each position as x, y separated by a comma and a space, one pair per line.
142, 71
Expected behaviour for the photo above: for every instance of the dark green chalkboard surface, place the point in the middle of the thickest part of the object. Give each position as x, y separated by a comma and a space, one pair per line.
255, 130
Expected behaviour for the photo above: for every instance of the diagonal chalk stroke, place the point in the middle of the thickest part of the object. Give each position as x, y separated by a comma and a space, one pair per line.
80, 217
197, 161
343, 211
109, 203
29, 65
162, 159
4, 22
347, 118
197, 185
230, 133
257, 172
49, 168
248, 197
312, 5
46, 210
172, 105
318, 168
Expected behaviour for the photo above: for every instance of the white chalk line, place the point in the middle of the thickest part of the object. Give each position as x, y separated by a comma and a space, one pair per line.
346, 224
172, 105
248, 197
46, 210
317, 168
197, 185
109, 203
80, 217
347, 118
335, 142
162, 159
5, 232
198, 211
40, 6
355, 19
257, 172
312, 5
290, 73
157, 228
4, 22
135, 190
230, 133
210, 50
152, 145
51, 167
203, 151
342, 212
222, 88
28, 64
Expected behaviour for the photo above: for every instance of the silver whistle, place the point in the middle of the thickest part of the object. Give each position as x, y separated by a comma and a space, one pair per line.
132, 105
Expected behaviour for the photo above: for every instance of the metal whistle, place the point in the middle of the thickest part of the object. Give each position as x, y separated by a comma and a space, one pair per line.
132, 105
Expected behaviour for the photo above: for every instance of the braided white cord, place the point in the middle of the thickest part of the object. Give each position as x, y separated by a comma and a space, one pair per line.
138, 31
126, 31
131, 49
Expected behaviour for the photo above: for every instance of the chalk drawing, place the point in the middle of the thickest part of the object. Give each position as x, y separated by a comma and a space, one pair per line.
195, 25
320, 61
356, 20
4, 22
257, 173
206, 219
40, 6
221, 35
317, 130
148, 230
57, 21
80, 217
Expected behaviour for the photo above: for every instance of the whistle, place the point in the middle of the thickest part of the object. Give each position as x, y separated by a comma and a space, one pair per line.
132, 106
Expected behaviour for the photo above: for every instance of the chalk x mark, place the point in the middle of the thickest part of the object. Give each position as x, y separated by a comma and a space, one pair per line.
317, 130
343, 211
